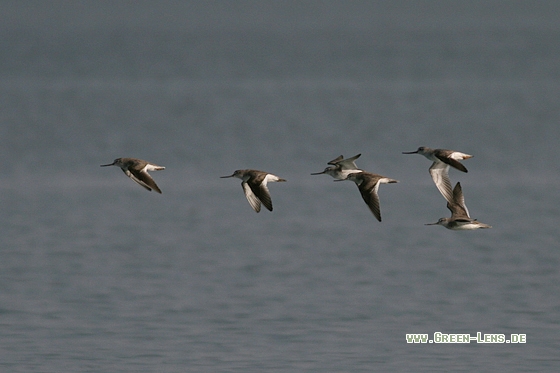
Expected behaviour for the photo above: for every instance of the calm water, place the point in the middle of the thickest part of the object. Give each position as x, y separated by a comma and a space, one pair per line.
98, 275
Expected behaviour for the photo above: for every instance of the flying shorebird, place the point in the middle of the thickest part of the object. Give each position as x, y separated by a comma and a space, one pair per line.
439, 170
368, 184
254, 185
137, 170
460, 219
341, 167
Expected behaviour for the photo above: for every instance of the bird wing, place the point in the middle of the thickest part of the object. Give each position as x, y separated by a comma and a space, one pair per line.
440, 176
460, 208
336, 160
458, 213
348, 164
258, 186
371, 198
446, 158
254, 201
143, 178
136, 179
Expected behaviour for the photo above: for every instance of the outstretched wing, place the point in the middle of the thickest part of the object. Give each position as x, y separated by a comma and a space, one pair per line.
254, 201
440, 175
458, 207
142, 177
371, 198
258, 186
137, 180
446, 158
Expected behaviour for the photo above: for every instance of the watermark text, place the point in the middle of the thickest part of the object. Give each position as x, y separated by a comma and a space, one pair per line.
439, 337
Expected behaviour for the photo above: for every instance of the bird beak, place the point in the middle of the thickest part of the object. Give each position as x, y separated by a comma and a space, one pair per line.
318, 173
431, 223
410, 152
223, 177
110, 164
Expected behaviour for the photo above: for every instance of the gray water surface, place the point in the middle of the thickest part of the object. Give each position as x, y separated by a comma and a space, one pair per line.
99, 275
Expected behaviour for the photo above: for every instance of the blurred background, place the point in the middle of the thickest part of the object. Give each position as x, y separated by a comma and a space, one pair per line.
97, 274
